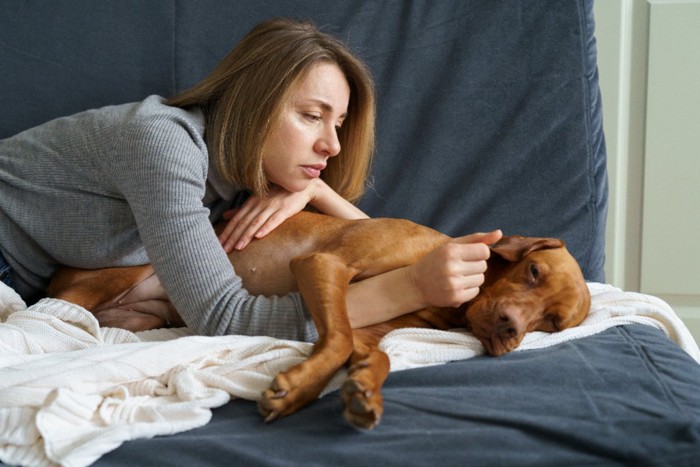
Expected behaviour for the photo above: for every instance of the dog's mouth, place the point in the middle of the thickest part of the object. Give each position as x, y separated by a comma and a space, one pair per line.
497, 345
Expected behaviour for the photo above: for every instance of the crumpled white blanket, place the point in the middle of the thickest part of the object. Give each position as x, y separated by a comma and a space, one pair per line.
71, 391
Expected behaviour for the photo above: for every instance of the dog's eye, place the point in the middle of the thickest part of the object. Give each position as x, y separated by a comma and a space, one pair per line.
534, 271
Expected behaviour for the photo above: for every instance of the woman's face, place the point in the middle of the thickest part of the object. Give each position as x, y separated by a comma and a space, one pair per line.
305, 135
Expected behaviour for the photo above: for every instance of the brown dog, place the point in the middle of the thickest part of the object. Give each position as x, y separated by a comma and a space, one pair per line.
531, 284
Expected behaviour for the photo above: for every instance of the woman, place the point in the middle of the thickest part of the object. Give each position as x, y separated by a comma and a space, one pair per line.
288, 116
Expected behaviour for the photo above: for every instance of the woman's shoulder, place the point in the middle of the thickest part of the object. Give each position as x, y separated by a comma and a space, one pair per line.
151, 124
150, 115
150, 137
152, 111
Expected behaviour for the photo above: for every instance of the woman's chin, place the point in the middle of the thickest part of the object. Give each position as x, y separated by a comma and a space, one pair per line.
295, 186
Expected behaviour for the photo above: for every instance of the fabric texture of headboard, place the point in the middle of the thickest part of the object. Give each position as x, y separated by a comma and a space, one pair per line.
476, 128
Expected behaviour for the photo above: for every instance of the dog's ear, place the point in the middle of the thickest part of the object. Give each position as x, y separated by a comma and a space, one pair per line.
513, 248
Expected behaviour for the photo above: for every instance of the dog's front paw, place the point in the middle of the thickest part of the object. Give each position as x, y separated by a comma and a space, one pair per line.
363, 402
278, 399
285, 395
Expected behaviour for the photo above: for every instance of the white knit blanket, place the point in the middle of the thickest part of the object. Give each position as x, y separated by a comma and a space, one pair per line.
71, 391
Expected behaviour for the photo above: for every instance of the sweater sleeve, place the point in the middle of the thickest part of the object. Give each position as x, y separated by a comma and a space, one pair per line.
160, 166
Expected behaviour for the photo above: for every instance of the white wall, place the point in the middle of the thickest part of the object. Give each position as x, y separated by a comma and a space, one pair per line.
647, 53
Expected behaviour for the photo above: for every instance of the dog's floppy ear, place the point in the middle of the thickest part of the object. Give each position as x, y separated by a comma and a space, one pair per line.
515, 247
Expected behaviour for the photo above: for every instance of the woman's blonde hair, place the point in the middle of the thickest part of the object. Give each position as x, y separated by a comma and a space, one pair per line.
243, 96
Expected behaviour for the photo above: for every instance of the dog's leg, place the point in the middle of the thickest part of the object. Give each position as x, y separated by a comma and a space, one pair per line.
124, 297
91, 288
323, 281
369, 367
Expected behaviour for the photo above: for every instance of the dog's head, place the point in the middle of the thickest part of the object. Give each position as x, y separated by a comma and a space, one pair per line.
532, 284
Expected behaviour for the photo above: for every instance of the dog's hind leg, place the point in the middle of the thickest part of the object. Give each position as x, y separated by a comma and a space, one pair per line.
323, 281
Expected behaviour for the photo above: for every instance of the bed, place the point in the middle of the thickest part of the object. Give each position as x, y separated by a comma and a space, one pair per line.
489, 116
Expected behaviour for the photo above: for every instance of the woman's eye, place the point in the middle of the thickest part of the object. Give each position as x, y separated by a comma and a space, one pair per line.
312, 117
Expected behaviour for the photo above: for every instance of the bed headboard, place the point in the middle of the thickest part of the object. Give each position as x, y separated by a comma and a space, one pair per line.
489, 112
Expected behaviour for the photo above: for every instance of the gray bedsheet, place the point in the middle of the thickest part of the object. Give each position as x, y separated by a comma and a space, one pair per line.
627, 396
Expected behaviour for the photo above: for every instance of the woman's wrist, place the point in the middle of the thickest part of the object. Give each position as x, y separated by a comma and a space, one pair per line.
383, 297
327, 201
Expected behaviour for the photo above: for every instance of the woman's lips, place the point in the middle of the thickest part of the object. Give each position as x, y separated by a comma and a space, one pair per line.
313, 171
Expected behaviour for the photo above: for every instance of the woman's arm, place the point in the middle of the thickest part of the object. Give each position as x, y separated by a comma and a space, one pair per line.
159, 168
447, 277
258, 217
327, 201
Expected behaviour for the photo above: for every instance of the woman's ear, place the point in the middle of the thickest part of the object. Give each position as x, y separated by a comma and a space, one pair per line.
513, 248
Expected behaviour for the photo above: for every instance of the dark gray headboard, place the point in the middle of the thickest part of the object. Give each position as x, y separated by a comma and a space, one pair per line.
489, 111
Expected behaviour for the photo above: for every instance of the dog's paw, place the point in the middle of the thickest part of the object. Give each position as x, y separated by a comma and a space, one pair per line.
286, 396
363, 405
278, 400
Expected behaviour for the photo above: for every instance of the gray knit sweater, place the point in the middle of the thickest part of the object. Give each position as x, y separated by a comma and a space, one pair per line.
125, 185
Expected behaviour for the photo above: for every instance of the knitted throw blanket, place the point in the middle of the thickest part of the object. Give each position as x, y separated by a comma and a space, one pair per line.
71, 391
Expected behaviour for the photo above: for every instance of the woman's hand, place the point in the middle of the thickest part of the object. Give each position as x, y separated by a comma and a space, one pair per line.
258, 217
448, 276
451, 274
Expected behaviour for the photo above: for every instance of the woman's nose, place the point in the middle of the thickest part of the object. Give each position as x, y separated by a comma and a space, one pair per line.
328, 143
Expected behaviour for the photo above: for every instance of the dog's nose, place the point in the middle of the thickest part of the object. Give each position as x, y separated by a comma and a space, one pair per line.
508, 323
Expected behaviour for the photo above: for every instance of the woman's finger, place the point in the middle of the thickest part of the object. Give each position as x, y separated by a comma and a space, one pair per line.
238, 224
249, 228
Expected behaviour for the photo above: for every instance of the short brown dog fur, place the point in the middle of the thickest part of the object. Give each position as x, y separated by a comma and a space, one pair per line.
530, 284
